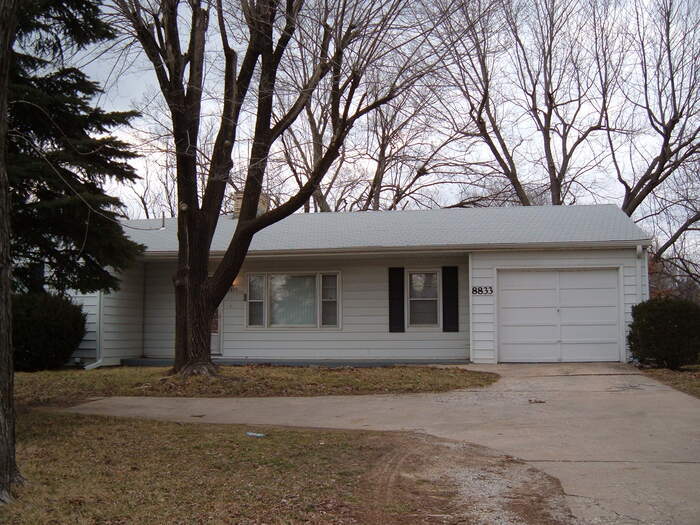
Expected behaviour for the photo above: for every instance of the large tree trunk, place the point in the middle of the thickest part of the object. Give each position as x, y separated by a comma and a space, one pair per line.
193, 304
194, 310
193, 313
9, 473
197, 298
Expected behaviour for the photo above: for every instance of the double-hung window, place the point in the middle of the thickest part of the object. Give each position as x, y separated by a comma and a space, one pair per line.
423, 298
256, 300
329, 299
293, 300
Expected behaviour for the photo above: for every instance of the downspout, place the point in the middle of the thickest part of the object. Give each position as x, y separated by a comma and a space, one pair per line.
98, 336
645, 281
640, 277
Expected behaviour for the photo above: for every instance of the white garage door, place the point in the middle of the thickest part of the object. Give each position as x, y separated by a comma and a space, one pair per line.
558, 315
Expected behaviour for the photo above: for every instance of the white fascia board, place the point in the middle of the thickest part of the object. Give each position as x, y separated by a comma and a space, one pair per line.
419, 250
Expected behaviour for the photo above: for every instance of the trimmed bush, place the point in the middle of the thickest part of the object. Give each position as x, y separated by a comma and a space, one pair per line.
665, 332
46, 330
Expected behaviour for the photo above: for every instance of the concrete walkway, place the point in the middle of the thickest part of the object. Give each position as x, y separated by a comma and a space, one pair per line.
625, 447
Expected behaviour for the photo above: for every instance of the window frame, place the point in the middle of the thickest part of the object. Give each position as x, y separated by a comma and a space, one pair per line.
319, 306
407, 299
267, 304
248, 300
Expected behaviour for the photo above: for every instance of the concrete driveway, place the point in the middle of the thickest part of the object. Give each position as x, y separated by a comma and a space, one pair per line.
625, 447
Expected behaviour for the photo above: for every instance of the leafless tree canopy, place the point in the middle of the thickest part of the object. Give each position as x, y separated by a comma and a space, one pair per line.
250, 70
515, 102
567, 102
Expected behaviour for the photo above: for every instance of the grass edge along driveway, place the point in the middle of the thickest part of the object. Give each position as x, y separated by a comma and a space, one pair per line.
67, 387
687, 379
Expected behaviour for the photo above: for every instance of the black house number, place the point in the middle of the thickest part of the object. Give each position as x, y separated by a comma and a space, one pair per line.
482, 290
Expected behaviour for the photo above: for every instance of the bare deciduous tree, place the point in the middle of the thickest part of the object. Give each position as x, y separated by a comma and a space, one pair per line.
569, 99
657, 161
410, 161
400, 156
263, 45
156, 193
536, 79
673, 213
536, 102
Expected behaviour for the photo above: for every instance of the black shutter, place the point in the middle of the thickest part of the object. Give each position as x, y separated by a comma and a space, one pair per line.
450, 299
396, 302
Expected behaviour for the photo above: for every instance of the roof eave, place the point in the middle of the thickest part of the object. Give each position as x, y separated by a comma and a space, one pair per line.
396, 250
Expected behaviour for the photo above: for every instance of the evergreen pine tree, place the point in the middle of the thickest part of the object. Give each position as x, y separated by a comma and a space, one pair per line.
61, 154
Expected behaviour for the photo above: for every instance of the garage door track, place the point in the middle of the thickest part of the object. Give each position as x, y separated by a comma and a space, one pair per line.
625, 447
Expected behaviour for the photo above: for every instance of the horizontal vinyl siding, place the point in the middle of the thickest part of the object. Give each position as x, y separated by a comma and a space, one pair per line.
122, 317
159, 310
90, 303
484, 266
364, 333
364, 311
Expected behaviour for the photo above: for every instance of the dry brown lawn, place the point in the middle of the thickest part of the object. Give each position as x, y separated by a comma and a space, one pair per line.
108, 471
89, 470
65, 387
686, 380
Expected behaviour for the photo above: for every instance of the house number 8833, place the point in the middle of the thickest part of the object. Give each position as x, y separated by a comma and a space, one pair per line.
482, 290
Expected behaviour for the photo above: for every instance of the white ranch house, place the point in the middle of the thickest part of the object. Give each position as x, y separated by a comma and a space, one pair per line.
521, 284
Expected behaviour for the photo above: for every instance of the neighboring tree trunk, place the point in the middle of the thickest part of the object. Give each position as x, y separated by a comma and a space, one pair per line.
9, 473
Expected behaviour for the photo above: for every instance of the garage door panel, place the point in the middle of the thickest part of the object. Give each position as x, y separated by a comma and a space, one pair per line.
590, 314
530, 334
531, 298
582, 352
588, 279
527, 280
599, 297
528, 315
589, 332
525, 353
558, 315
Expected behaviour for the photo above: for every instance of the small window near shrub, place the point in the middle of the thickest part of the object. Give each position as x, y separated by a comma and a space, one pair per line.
46, 330
665, 332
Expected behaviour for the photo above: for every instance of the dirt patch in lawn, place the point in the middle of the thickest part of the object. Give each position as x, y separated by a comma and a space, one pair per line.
66, 387
686, 379
430, 480
98, 470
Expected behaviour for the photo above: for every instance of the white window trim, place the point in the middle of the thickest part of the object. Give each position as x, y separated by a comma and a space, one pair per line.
248, 301
319, 300
319, 283
407, 300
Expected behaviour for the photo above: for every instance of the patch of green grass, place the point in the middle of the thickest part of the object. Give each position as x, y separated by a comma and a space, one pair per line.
686, 379
88, 470
64, 387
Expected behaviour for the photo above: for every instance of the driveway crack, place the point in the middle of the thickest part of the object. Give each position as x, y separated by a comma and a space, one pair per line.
597, 503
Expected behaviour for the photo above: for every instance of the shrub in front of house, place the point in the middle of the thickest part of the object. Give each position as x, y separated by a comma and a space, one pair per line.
46, 330
665, 332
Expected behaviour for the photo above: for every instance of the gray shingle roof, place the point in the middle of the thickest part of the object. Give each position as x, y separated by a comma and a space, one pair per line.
439, 228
